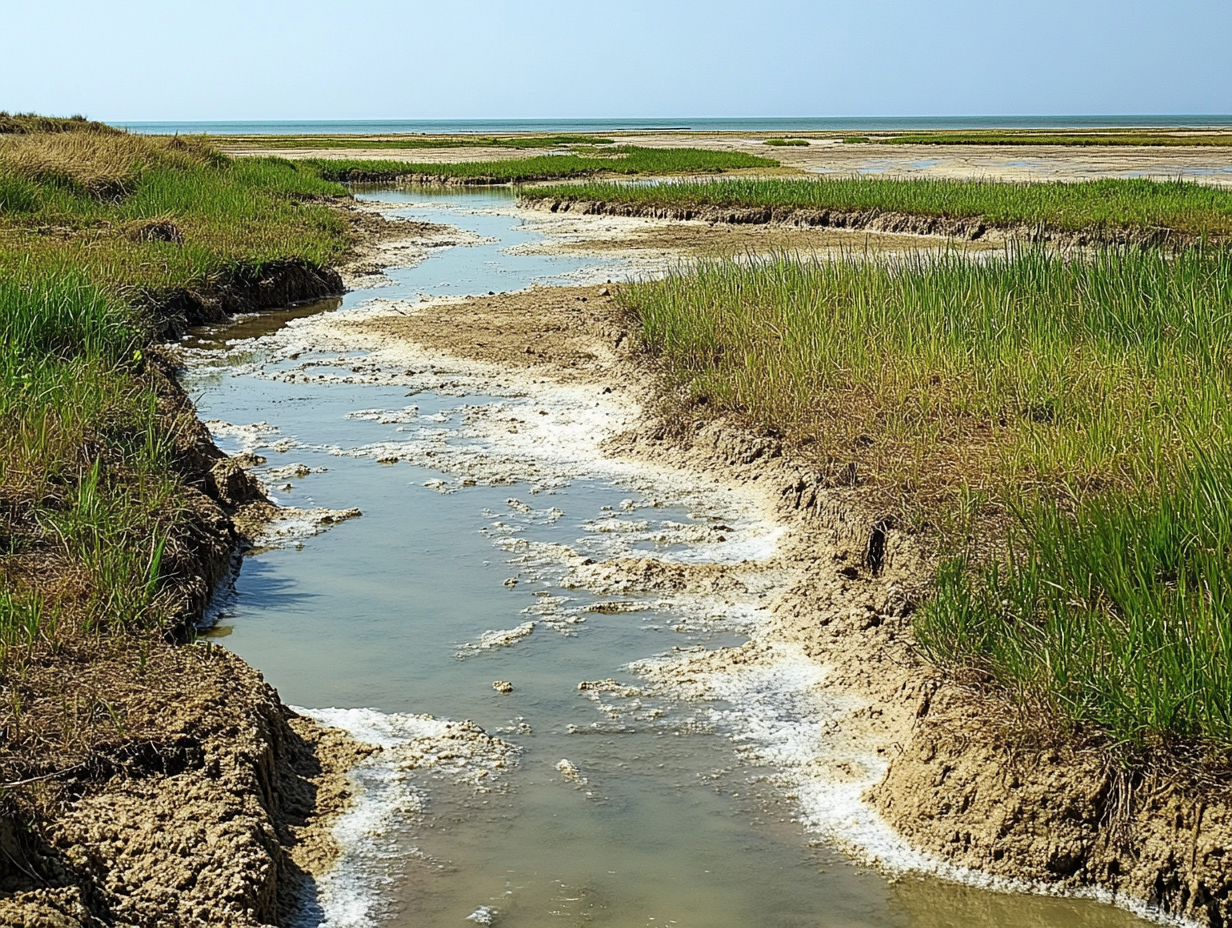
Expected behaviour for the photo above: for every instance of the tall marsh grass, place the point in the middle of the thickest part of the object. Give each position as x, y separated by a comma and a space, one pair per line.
84, 462
1090, 395
1110, 204
1115, 614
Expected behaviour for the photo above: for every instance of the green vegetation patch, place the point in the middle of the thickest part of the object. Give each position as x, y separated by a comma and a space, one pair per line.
1088, 206
466, 141
1115, 614
31, 123
787, 142
1090, 396
622, 159
1187, 140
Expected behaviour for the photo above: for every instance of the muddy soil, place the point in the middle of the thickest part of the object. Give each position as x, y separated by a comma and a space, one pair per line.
672, 238
957, 781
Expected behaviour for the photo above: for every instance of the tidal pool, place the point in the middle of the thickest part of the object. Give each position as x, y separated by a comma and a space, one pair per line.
463, 571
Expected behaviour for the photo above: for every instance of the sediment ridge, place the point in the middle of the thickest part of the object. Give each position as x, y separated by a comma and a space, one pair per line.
872, 220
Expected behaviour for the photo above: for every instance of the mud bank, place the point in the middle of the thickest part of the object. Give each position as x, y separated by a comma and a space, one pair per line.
193, 796
879, 221
215, 815
905, 771
187, 793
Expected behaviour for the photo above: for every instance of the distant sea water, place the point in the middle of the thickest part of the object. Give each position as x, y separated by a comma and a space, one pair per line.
595, 126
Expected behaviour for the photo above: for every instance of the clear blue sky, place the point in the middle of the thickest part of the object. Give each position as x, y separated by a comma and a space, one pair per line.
372, 59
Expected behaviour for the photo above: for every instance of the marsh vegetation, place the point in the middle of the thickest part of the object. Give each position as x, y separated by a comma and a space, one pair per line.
1059, 423
1144, 206
619, 159
97, 232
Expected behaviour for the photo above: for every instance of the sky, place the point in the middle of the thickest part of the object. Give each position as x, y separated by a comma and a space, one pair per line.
130, 60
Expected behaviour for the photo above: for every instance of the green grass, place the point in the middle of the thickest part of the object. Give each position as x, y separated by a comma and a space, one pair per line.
58, 204
466, 141
1089, 206
1115, 616
1091, 396
89, 496
787, 142
621, 159
85, 466
1221, 140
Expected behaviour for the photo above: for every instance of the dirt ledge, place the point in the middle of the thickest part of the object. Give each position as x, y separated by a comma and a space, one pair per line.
872, 220
205, 800
967, 787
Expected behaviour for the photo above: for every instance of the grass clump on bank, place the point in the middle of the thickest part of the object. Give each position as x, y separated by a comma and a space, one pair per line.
622, 159
88, 496
139, 213
1089, 206
32, 123
1089, 396
96, 231
780, 143
1115, 614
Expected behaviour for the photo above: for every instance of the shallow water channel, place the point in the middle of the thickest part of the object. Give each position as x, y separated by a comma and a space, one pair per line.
673, 817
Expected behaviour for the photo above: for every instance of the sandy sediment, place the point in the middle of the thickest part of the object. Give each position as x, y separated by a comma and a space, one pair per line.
960, 790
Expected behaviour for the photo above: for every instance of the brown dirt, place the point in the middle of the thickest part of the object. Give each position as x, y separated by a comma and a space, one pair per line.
705, 239
965, 779
568, 329
209, 803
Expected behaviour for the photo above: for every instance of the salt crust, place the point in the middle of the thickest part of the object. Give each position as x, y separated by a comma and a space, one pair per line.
388, 803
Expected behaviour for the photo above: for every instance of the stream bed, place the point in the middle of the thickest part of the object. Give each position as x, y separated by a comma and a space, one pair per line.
592, 798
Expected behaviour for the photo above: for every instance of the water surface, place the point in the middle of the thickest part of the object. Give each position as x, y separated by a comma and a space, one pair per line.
673, 825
